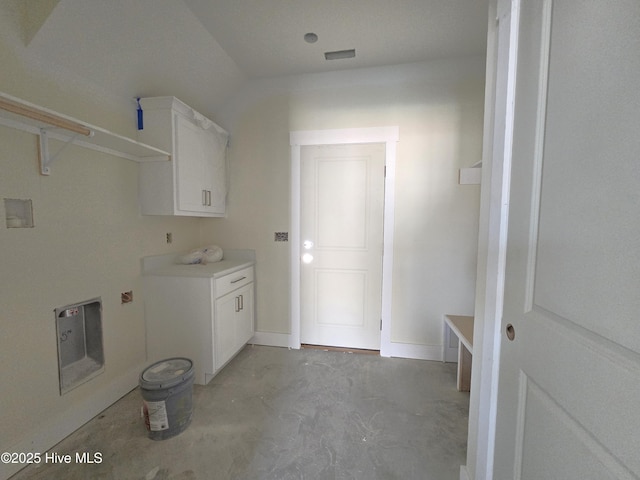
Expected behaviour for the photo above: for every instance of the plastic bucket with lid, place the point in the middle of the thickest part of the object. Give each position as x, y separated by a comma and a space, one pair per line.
167, 397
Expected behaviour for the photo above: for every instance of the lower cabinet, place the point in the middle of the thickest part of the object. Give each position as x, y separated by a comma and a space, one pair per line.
234, 323
205, 319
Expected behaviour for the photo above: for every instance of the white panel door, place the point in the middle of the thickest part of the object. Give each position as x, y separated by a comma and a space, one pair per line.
342, 200
569, 380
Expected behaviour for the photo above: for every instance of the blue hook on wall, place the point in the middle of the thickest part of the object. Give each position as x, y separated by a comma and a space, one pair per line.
140, 117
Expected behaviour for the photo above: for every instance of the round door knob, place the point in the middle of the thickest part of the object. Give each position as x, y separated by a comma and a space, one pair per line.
307, 244
510, 331
307, 258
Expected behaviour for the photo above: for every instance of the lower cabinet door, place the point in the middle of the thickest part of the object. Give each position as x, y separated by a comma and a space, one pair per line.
233, 325
225, 328
244, 325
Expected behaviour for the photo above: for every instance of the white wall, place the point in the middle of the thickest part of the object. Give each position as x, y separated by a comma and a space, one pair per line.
87, 242
439, 109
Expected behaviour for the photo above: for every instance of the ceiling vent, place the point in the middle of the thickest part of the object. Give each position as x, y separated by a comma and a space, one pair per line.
340, 54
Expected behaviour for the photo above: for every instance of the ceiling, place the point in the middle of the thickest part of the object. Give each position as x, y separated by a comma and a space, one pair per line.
202, 51
265, 38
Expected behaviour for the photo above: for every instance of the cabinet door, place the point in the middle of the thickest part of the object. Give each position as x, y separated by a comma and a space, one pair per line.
244, 323
225, 328
233, 323
191, 166
215, 175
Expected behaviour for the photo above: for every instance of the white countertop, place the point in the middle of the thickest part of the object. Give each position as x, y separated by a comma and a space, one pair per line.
164, 265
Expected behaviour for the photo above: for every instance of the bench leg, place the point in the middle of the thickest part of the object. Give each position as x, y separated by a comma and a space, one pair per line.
464, 368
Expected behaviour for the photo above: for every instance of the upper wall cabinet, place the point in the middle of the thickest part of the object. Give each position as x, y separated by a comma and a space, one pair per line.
195, 182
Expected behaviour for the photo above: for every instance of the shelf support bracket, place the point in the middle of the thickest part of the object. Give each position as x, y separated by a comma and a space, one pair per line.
45, 157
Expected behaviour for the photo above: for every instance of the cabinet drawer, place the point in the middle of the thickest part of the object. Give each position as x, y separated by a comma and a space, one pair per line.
234, 280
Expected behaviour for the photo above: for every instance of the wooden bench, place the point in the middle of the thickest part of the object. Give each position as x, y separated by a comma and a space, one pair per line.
462, 327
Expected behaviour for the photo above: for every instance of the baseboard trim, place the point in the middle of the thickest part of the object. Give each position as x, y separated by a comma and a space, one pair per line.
415, 351
51, 433
340, 349
464, 473
400, 350
271, 339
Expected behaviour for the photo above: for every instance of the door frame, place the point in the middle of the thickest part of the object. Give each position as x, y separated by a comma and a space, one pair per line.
297, 139
502, 48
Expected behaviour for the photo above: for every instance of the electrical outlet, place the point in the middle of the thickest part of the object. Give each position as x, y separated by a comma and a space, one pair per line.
281, 236
169, 237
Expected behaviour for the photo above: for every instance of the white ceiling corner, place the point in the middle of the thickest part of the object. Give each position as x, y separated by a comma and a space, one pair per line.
138, 48
36, 13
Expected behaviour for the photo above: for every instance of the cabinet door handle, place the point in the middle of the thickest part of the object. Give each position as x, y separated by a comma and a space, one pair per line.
241, 302
237, 304
208, 198
236, 281
204, 197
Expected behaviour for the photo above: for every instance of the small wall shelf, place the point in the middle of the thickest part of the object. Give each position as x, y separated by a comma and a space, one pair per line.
471, 175
16, 113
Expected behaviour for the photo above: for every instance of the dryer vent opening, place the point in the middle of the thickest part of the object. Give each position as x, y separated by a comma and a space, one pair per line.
79, 338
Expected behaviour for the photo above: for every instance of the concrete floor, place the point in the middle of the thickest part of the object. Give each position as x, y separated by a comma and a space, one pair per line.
278, 414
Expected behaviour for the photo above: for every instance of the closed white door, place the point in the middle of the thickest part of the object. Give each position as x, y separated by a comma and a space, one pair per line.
569, 377
342, 200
